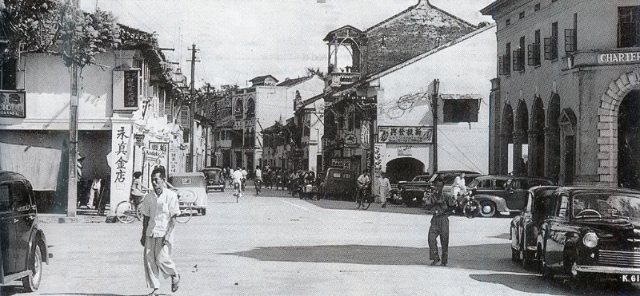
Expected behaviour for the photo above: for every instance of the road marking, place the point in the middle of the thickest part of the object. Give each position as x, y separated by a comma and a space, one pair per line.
297, 206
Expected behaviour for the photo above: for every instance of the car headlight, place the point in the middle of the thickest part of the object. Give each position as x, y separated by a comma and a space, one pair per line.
590, 240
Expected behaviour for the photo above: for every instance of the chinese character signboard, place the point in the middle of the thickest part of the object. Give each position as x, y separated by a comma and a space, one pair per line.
125, 90
12, 104
405, 134
157, 154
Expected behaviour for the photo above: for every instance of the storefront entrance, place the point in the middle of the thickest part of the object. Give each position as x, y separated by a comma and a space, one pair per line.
404, 169
629, 141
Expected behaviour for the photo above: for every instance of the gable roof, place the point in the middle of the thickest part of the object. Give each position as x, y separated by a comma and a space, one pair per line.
261, 79
294, 81
414, 31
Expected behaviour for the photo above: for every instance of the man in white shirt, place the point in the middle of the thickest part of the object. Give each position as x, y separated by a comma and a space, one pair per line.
160, 208
458, 186
237, 182
258, 179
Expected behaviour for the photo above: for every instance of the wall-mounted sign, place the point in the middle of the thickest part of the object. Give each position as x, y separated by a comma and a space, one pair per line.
12, 104
404, 151
405, 134
125, 90
350, 139
344, 163
628, 57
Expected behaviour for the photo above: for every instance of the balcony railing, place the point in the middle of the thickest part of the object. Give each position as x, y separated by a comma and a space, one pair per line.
338, 79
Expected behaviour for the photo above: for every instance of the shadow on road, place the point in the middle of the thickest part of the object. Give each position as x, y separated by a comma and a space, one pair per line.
493, 257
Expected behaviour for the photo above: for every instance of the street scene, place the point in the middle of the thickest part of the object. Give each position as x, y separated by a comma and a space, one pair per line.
319, 147
270, 245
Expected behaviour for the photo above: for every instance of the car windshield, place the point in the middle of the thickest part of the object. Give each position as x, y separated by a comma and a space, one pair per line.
211, 174
607, 205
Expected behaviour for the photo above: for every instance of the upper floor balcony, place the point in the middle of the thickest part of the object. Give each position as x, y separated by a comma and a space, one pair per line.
337, 79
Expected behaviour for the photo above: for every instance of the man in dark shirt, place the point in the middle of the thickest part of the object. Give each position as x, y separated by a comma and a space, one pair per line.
439, 226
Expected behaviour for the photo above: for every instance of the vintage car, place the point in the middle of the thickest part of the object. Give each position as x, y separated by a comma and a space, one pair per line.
191, 189
413, 192
214, 178
525, 227
339, 183
23, 246
592, 230
503, 194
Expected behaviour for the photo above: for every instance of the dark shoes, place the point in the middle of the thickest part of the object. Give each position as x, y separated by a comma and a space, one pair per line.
384, 205
175, 281
443, 264
435, 262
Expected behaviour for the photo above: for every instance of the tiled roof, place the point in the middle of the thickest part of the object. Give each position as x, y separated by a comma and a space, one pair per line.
262, 79
294, 81
410, 33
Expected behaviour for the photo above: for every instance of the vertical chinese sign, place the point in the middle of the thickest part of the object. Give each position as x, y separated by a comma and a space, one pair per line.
121, 162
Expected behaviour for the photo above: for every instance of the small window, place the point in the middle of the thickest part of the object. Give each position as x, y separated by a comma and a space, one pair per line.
536, 7
461, 110
521, 16
564, 204
629, 26
21, 198
507, 22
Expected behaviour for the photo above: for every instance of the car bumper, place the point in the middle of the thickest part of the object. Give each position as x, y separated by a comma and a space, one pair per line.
215, 187
607, 269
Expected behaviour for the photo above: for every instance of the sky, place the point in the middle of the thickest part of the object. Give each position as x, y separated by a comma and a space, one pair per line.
241, 39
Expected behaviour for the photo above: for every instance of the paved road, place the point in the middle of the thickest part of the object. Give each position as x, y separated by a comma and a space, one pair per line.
269, 245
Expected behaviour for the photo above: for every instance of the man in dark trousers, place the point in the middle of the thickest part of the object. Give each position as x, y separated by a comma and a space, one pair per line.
439, 225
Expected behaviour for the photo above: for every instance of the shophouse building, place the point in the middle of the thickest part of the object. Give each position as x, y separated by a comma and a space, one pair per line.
254, 109
378, 102
126, 109
565, 98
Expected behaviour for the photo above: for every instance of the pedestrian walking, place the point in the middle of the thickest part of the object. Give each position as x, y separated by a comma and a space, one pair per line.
384, 188
159, 209
439, 227
237, 182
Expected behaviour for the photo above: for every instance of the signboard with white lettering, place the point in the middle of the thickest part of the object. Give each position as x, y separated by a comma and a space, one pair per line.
12, 104
405, 134
611, 58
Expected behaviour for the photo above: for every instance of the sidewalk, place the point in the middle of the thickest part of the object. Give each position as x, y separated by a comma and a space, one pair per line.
82, 216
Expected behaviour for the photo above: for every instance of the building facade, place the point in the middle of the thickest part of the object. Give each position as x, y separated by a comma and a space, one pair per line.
565, 99
122, 120
378, 104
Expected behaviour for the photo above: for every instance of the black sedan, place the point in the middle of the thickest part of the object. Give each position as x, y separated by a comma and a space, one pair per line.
526, 226
592, 230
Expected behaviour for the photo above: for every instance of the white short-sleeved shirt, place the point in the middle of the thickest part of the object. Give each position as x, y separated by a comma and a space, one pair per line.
159, 210
237, 177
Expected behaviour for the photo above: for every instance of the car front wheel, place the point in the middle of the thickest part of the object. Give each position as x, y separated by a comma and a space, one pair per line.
487, 208
32, 282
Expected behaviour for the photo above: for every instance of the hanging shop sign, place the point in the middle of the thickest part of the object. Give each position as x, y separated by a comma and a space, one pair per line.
126, 90
344, 163
350, 139
157, 154
12, 104
405, 134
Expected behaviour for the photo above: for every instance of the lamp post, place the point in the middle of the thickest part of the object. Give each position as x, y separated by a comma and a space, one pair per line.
73, 130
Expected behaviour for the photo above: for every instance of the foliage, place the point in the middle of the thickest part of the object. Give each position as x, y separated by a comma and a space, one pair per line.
40, 25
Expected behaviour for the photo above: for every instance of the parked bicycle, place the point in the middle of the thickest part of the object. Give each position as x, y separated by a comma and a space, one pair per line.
128, 211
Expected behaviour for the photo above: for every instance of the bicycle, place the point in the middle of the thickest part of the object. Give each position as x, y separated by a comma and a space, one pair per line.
237, 191
186, 212
126, 211
258, 185
363, 198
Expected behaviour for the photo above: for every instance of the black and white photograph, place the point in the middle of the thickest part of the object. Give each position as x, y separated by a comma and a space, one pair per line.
319, 147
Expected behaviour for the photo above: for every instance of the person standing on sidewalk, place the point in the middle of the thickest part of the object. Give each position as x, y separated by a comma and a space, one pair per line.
385, 186
439, 226
159, 208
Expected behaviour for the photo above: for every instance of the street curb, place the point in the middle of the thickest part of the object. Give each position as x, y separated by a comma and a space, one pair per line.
61, 218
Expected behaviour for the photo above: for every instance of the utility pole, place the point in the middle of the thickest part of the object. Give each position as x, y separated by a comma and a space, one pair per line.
72, 192
191, 163
433, 87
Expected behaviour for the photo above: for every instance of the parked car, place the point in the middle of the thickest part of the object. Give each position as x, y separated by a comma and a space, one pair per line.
339, 183
214, 178
525, 227
503, 194
23, 245
191, 189
413, 192
592, 230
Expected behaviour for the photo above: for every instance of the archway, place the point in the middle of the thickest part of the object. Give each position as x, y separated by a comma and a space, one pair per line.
629, 141
521, 140
536, 139
567, 125
506, 138
404, 169
552, 139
